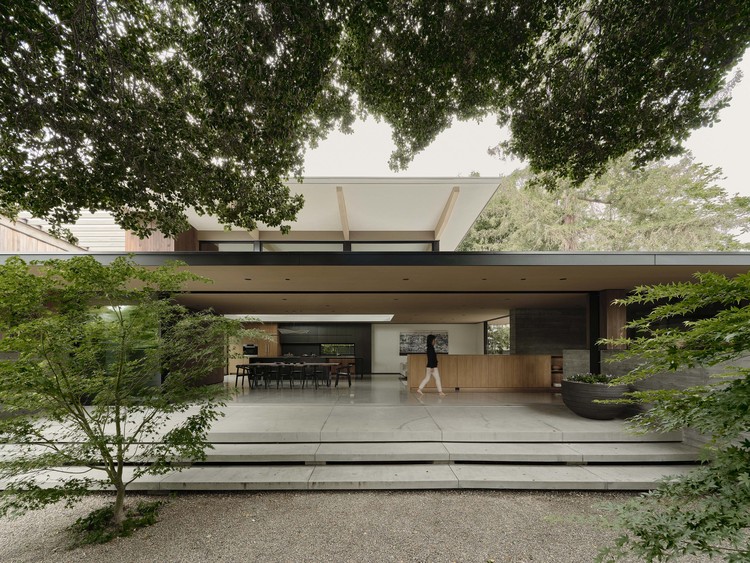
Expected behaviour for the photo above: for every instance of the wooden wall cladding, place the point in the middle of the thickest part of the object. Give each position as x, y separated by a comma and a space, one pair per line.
266, 348
485, 373
24, 239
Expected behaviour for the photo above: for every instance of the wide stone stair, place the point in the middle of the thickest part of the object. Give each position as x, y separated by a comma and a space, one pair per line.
537, 447
435, 465
425, 447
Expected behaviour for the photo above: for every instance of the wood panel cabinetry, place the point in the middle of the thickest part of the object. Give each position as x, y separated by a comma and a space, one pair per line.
267, 347
485, 373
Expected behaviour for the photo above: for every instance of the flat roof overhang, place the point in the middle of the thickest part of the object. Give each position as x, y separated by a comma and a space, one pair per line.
421, 287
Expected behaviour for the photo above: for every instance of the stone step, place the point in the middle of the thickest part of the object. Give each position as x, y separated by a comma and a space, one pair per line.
413, 476
397, 476
413, 423
446, 452
439, 452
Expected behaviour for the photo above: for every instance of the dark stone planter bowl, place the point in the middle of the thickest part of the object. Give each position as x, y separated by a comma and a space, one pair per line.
579, 397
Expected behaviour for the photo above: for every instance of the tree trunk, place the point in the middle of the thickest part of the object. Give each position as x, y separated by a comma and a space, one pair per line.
571, 238
119, 508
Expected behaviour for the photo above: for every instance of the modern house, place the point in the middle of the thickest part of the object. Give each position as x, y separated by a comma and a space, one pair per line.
370, 263
368, 269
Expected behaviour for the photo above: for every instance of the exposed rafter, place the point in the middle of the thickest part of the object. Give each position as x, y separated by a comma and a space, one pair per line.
447, 211
342, 212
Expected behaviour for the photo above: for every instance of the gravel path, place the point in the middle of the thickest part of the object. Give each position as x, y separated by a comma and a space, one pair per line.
396, 526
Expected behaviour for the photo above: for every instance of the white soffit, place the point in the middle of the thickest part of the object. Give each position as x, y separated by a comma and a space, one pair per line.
395, 205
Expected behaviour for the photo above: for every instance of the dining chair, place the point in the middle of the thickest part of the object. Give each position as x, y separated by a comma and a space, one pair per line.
260, 372
298, 373
243, 371
344, 370
285, 371
309, 373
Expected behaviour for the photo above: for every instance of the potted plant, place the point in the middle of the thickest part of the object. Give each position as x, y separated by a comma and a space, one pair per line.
581, 391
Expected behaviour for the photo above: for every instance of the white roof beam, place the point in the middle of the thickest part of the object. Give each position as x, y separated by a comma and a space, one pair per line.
342, 212
447, 212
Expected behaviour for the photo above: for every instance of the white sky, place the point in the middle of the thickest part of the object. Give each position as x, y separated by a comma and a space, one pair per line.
463, 148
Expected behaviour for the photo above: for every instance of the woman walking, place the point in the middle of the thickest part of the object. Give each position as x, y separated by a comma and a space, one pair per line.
432, 369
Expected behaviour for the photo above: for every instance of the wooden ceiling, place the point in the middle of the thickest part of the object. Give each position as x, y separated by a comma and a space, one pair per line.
423, 293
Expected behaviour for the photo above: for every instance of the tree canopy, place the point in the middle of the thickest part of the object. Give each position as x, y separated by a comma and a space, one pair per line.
664, 206
143, 108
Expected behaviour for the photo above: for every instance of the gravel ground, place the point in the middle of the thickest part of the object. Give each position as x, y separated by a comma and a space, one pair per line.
430, 526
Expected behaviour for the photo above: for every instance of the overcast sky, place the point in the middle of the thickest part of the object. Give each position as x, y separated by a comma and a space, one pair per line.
463, 148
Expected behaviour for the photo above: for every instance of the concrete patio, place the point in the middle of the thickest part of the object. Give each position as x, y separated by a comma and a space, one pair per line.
377, 435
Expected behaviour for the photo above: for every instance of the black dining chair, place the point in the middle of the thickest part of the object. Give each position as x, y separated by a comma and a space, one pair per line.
326, 374
309, 373
260, 373
243, 371
344, 370
298, 373
285, 371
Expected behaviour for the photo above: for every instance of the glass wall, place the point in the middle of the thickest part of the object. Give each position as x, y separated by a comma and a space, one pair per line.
314, 246
337, 349
419, 246
281, 246
227, 246
498, 336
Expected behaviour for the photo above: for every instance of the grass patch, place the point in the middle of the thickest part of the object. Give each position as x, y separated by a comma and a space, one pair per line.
98, 526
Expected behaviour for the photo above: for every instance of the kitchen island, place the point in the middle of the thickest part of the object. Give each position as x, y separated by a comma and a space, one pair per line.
484, 373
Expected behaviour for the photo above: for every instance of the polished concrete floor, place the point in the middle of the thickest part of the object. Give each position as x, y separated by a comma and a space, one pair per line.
378, 389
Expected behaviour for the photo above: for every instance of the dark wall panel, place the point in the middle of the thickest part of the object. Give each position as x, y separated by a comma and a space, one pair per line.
547, 331
305, 338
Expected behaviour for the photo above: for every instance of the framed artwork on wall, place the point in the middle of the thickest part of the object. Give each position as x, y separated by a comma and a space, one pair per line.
416, 342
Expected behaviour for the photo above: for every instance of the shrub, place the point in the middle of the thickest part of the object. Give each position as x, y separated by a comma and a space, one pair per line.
592, 378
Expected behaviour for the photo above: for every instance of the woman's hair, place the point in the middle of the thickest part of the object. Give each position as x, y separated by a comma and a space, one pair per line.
430, 339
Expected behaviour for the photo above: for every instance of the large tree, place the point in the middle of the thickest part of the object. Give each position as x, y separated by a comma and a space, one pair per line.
664, 206
143, 108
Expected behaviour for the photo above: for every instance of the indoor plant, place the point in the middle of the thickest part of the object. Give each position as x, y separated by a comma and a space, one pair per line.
582, 391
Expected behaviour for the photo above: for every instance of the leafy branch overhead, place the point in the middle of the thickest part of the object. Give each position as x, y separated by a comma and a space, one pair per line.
143, 108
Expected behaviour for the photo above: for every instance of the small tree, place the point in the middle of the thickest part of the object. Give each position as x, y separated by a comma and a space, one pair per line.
99, 360
708, 510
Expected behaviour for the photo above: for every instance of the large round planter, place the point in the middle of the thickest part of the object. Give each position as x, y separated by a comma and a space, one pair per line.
579, 397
